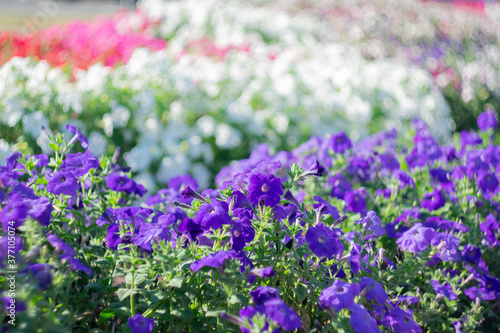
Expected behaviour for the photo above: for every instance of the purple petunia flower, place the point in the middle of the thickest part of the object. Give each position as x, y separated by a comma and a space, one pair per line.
63, 183
408, 300
212, 215
355, 202
37, 208
440, 175
120, 183
239, 205
263, 272
16, 245
488, 227
340, 185
268, 303
433, 201
189, 228
487, 120
388, 162
163, 196
323, 207
154, 232
315, 169
386, 193
402, 321
362, 321
474, 163
60, 245
14, 213
80, 163
416, 239
372, 222
448, 244
339, 142
458, 326
264, 187
444, 290
11, 303
83, 140
125, 214
242, 233
339, 295
263, 293
113, 238
469, 139
76, 265
276, 310
481, 293
403, 179
40, 210
324, 242
214, 260
354, 259
470, 253
374, 290
41, 274
359, 167
487, 181
179, 183
140, 324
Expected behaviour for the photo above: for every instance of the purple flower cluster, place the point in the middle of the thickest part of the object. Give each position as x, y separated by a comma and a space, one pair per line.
268, 303
349, 243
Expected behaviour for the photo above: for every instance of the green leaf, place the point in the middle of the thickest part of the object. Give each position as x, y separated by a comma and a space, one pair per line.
111, 290
184, 314
124, 293
106, 315
103, 262
54, 146
42, 180
175, 282
237, 299
140, 278
97, 286
215, 313
161, 257
128, 278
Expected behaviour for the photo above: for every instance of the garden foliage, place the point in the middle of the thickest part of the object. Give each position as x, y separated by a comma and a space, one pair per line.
379, 234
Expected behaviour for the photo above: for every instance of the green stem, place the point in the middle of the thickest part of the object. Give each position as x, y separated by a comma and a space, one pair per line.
132, 284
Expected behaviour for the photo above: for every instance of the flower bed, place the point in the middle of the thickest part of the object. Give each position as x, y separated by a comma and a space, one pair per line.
378, 234
78, 45
455, 41
210, 97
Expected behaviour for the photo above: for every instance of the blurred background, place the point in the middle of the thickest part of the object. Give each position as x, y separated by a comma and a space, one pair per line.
189, 86
17, 14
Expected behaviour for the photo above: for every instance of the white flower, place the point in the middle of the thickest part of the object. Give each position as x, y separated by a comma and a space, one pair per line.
97, 144
33, 122
139, 157
5, 151
171, 167
226, 136
12, 112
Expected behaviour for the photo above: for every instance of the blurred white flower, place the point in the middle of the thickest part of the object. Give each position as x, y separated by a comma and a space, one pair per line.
139, 157
119, 115
226, 136
33, 122
97, 144
5, 151
206, 125
202, 175
171, 167
12, 112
